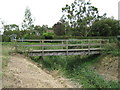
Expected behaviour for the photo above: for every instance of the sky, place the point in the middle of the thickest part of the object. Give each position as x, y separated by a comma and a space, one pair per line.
47, 12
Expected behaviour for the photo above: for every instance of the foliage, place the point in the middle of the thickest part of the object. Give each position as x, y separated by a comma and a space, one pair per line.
79, 37
27, 23
10, 27
26, 34
5, 38
59, 29
6, 49
48, 35
112, 48
32, 37
39, 29
80, 15
79, 69
106, 27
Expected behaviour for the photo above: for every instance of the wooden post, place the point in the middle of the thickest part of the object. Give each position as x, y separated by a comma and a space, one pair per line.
62, 44
16, 49
82, 45
88, 47
100, 44
42, 48
67, 46
108, 41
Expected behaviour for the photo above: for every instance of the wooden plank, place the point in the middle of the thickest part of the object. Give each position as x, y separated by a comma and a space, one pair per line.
39, 40
63, 53
64, 50
98, 44
61, 40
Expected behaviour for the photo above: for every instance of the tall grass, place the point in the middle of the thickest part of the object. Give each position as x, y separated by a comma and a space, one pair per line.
113, 47
77, 68
6, 49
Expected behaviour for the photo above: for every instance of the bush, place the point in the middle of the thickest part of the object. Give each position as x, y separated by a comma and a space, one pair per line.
5, 38
113, 48
48, 35
79, 37
32, 37
105, 27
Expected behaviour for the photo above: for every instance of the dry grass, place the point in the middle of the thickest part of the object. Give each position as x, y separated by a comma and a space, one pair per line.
6, 49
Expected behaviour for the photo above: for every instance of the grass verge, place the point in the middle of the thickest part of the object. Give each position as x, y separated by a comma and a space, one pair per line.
78, 69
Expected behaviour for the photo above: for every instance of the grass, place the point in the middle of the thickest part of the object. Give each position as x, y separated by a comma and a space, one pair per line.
78, 69
6, 49
0, 61
112, 48
83, 73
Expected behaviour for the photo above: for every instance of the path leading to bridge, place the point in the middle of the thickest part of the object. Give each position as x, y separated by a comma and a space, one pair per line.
23, 73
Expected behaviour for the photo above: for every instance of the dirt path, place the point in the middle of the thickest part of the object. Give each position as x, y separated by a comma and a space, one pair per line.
21, 73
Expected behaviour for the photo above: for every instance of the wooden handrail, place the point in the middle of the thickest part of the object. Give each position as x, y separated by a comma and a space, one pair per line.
97, 44
61, 40
88, 45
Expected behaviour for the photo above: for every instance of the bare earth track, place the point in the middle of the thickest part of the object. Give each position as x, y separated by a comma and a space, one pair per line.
21, 73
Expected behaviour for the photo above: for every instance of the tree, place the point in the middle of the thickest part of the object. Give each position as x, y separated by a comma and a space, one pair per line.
11, 27
80, 15
27, 23
59, 29
106, 27
66, 26
1, 26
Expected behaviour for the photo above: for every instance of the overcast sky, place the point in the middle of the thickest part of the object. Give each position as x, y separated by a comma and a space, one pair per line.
48, 11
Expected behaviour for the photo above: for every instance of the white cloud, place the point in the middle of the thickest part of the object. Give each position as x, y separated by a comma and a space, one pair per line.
107, 6
47, 11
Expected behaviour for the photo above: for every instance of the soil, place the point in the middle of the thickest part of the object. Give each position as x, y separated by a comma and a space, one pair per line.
108, 67
22, 73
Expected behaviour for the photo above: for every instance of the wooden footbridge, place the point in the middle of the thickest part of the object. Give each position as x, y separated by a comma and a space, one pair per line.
61, 47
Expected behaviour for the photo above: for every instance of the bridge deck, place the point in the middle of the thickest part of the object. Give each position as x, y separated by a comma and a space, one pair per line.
85, 46
64, 50
63, 53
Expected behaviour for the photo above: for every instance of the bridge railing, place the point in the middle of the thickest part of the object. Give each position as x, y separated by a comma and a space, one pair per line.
43, 46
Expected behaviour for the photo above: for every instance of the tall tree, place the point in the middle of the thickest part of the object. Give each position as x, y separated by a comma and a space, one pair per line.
59, 29
2, 24
106, 27
80, 15
11, 27
27, 23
